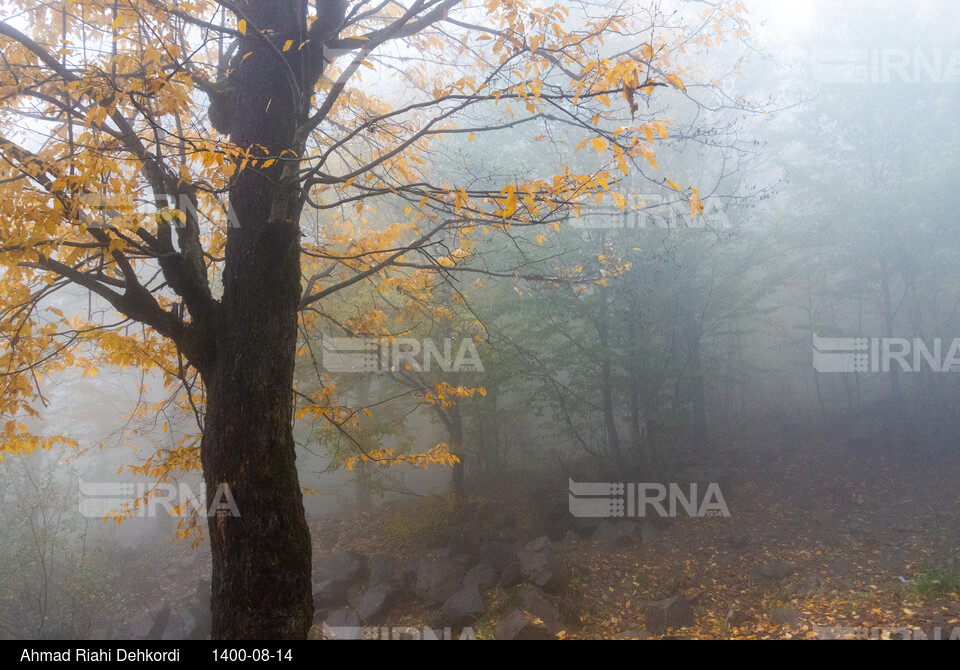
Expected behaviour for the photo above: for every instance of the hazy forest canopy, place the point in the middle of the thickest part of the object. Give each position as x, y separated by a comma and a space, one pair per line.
504, 319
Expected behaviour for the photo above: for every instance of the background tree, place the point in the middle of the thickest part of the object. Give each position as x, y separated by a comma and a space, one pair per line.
868, 234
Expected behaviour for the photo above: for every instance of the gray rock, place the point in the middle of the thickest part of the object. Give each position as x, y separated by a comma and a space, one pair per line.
511, 574
807, 586
737, 618
539, 565
481, 575
167, 623
632, 634
496, 553
373, 605
516, 626
386, 585
150, 625
333, 577
460, 609
568, 543
347, 567
840, 568
181, 625
670, 613
538, 605
787, 616
437, 579
342, 624
328, 536
775, 571
614, 534
584, 527
329, 593
384, 571
435, 554
203, 623
693, 597
539, 544
553, 514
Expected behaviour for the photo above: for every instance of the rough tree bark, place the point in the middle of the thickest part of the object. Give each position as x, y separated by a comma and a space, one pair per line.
261, 558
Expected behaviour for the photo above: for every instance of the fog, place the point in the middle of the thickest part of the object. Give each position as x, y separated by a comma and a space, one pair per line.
646, 422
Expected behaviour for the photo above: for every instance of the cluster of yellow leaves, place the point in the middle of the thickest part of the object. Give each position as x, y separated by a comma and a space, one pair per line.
18, 439
444, 395
436, 455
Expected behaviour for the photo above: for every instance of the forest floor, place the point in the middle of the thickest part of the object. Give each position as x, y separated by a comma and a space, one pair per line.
816, 546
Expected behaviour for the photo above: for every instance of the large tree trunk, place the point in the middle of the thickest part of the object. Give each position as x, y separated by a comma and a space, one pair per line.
261, 558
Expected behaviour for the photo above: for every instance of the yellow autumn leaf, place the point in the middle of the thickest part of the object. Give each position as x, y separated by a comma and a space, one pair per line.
675, 80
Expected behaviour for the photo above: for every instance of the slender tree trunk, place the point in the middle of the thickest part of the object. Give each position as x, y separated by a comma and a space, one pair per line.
606, 390
636, 410
457, 447
489, 424
895, 439
694, 393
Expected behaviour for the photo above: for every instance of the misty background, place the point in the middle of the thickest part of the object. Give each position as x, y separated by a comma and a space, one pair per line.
828, 171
